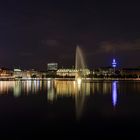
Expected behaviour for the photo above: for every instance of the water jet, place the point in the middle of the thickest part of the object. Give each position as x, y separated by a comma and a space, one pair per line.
80, 67
80, 64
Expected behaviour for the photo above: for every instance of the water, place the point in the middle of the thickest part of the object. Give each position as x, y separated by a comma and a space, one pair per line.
67, 108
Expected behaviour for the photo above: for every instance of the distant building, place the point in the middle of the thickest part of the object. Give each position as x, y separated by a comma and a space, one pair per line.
5, 73
131, 71
103, 71
67, 72
52, 66
17, 73
114, 64
72, 72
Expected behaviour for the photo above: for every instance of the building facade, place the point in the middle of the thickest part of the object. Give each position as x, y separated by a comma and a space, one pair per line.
72, 72
52, 66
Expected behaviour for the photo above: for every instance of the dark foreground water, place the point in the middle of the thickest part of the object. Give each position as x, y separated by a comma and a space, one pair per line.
69, 109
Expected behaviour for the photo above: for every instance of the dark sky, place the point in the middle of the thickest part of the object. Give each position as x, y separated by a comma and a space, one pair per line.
33, 33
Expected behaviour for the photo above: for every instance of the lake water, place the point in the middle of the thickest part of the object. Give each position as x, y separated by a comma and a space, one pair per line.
69, 108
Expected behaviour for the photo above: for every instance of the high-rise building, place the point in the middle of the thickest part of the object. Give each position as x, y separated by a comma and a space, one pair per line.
52, 66
17, 73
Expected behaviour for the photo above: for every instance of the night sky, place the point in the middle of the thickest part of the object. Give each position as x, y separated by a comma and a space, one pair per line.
34, 33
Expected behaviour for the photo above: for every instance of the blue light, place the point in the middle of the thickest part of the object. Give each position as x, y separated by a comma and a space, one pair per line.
114, 93
114, 63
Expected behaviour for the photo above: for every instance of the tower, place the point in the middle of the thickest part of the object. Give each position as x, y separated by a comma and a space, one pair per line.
114, 64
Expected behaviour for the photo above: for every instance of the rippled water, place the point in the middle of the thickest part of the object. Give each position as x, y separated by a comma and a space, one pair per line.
50, 104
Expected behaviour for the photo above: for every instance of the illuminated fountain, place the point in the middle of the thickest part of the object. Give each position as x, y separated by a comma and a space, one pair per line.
80, 66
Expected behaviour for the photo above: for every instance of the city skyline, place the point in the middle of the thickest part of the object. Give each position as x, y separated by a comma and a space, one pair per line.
36, 33
69, 69
112, 64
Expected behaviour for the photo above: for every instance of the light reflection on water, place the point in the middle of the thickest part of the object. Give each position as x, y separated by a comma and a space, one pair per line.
79, 92
59, 88
114, 93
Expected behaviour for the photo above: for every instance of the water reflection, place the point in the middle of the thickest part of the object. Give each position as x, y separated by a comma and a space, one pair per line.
50, 89
80, 98
56, 87
6, 86
76, 91
17, 89
114, 93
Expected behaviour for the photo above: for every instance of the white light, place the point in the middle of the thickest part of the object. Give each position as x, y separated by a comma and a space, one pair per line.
49, 84
79, 80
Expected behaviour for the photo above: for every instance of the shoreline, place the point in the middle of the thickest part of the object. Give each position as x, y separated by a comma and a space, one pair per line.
69, 79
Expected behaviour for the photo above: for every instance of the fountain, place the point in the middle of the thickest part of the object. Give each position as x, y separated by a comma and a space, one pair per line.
80, 66
79, 63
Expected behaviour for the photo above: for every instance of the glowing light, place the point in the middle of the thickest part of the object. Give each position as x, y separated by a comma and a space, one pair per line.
6, 86
17, 89
114, 63
17, 70
49, 84
51, 94
114, 93
79, 80
28, 86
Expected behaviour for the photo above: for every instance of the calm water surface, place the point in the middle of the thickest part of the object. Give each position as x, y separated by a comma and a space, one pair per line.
69, 107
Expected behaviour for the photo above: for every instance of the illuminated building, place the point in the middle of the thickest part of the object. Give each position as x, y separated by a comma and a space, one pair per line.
5, 73
67, 72
17, 73
26, 74
72, 72
114, 64
131, 72
31, 74
52, 66
103, 71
